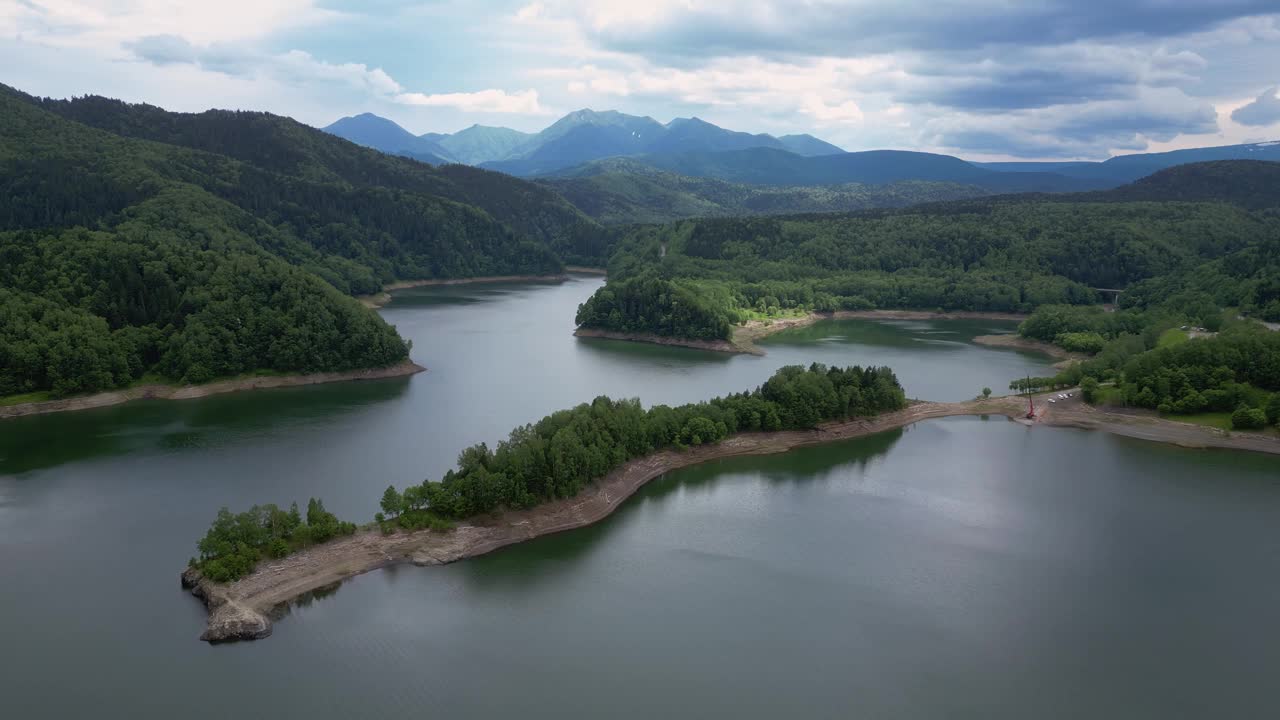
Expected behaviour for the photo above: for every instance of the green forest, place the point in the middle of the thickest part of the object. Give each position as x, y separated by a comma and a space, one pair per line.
624, 191
557, 456
1009, 254
1150, 361
183, 248
236, 542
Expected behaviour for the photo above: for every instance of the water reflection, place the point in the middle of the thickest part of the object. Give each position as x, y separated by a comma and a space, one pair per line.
543, 562
41, 441
649, 354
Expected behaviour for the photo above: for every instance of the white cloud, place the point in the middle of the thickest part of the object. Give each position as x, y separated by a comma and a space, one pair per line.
843, 112
492, 101
108, 23
532, 11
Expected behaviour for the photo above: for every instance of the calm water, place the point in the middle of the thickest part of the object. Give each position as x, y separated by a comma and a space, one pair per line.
965, 568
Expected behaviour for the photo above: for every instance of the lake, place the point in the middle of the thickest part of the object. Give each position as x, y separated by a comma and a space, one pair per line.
960, 567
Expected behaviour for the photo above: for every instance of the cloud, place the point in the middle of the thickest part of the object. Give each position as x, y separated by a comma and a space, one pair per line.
843, 112
102, 23
720, 28
163, 49
493, 101
1019, 78
294, 67
299, 68
1042, 78
1264, 110
1093, 131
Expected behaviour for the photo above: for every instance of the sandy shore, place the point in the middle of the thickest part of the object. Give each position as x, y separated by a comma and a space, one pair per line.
243, 610
379, 299
745, 335
187, 392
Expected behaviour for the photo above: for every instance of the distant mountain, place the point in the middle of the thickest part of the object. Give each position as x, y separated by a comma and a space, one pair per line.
382, 134
625, 190
768, 166
694, 134
808, 145
1127, 168
579, 137
480, 143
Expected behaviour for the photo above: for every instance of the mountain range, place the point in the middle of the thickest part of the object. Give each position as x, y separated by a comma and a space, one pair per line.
694, 148
1127, 168
578, 137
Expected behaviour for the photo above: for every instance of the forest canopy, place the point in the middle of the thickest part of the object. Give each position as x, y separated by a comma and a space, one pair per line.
191, 247
1010, 254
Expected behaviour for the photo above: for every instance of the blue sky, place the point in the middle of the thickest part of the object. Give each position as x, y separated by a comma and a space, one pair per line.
984, 79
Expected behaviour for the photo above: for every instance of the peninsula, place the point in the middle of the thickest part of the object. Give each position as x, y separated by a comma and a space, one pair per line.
244, 609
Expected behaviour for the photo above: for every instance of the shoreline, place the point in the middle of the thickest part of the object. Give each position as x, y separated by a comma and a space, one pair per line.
745, 336
217, 387
243, 610
1017, 342
380, 299
725, 346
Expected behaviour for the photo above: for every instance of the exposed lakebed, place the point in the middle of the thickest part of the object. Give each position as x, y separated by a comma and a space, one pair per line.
958, 567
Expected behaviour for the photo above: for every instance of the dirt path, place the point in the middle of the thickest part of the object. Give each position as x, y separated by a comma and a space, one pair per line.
242, 610
187, 392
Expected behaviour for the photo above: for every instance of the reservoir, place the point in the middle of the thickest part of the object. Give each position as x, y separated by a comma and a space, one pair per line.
960, 567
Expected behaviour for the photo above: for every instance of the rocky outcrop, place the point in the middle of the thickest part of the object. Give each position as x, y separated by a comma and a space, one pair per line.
229, 620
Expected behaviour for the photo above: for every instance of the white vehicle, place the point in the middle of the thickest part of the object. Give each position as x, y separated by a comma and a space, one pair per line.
1052, 400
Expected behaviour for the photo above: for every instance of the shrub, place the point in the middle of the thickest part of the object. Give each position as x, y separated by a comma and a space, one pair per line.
1248, 418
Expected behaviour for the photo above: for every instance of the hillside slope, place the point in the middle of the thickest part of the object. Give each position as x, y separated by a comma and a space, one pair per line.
1186, 242
623, 190
281, 145
118, 262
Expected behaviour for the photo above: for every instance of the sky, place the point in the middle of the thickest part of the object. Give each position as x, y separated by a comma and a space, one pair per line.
982, 79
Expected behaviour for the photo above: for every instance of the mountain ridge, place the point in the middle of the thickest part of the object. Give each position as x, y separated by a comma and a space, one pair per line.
579, 136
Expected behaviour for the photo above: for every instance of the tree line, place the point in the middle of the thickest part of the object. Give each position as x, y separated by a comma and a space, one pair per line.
1235, 370
557, 456
236, 542
1002, 254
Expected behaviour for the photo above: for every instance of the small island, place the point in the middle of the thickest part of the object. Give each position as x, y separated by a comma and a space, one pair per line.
574, 468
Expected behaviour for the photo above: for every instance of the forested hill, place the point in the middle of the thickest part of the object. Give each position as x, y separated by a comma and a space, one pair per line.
282, 145
624, 190
123, 257
115, 265
1253, 184
1002, 254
